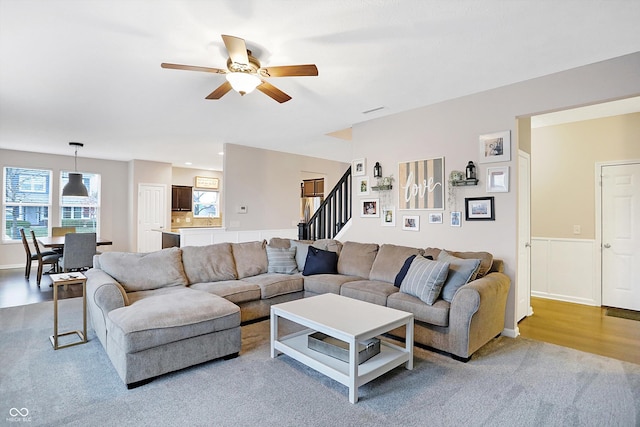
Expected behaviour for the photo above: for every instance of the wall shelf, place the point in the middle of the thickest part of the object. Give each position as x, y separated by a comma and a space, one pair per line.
382, 187
464, 182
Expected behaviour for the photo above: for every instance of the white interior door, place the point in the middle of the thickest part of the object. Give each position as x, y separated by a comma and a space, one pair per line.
151, 215
621, 236
523, 280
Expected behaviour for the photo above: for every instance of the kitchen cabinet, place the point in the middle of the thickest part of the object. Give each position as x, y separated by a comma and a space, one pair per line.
181, 198
313, 187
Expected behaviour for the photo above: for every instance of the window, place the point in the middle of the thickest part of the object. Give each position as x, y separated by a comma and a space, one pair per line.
26, 202
206, 204
83, 213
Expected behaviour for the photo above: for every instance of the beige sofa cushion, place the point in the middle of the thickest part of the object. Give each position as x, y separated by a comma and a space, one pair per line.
212, 263
436, 314
486, 259
389, 261
356, 259
369, 291
235, 291
275, 284
250, 257
145, 271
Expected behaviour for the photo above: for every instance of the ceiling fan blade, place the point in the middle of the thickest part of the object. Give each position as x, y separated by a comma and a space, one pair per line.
273, 92
193, 68
220, 91
237, 49
289, 70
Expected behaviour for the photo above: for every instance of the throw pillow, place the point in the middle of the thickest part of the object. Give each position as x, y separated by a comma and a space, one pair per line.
424, 279
301, 253
281, 260
320, 262
403, 271
461, 271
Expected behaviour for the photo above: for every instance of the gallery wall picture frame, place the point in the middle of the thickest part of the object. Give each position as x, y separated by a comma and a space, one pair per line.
411, 222
362, 185
359, 167
495, 147
456, 219
479, 209
435, 218
421, 184
498, 179
370, 208
389, 216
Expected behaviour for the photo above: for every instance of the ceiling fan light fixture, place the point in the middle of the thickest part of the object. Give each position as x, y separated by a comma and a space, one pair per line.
242, 82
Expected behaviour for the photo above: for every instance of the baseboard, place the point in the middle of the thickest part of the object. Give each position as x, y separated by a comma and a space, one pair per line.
510, 333
9, 266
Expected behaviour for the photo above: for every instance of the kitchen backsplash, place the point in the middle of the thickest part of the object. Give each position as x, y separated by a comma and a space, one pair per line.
186, 219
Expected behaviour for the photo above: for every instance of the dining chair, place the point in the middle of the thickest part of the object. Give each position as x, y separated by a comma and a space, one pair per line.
79, 249
30, 256
50, 259
61, 231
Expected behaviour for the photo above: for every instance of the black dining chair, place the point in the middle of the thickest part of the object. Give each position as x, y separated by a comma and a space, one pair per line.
43, 260
31, 256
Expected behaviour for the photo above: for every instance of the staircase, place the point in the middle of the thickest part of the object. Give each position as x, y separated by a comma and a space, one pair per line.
334, 212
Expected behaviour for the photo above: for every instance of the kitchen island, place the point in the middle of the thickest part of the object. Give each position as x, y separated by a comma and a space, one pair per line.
202, 236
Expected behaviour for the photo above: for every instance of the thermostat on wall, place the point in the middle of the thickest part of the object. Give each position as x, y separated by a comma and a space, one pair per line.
241, 210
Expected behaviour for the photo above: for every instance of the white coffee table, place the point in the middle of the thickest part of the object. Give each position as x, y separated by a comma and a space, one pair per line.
349, 320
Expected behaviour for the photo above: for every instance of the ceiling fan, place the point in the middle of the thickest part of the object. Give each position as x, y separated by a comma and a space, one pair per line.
244, 72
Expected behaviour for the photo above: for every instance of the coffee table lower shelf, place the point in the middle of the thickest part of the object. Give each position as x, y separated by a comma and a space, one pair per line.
296, 347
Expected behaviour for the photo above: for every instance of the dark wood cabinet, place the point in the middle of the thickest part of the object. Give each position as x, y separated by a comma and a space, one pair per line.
313, 187
181, 198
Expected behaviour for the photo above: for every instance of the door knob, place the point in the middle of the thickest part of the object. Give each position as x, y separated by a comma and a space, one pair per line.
527, 245
607, 246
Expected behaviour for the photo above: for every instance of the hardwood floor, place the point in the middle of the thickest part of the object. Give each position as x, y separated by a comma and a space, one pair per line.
16, 290
582, 327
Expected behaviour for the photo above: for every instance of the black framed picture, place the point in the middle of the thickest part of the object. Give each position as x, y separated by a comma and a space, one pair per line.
479, 209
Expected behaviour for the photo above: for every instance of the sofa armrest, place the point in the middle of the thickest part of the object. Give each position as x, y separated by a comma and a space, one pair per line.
104, 294
477, 313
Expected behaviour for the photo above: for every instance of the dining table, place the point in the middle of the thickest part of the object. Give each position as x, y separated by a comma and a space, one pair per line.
57, 242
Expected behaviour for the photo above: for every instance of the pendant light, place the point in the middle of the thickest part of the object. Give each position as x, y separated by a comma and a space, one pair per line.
75, 187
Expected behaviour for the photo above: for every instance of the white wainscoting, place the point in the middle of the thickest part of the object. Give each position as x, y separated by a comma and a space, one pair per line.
565, 270
209, 236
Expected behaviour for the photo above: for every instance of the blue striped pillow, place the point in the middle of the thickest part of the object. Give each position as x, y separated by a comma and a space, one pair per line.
281, 260
425, 279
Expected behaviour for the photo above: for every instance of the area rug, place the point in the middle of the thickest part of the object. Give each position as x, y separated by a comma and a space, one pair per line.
508, 382
622, 313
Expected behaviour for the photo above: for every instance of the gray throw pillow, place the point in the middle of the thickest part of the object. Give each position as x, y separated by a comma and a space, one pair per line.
424, 279
281, 260
461, 271
301, 253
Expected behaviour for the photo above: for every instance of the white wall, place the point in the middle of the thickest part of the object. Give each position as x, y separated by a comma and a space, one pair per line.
268, 184
114, 219
451, 129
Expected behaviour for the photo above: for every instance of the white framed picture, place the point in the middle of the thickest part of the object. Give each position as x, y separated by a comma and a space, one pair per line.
411, 222
370, 208
358, 168
495, 147
456, 219
435, 218
389, 216
362, 184
498, 179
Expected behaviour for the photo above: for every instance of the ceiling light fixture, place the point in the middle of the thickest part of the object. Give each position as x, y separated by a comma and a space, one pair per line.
243, 82
75, 187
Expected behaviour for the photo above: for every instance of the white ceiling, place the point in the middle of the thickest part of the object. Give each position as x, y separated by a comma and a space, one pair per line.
89, 71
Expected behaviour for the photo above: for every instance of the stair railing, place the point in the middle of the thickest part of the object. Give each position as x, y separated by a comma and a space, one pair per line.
334, 212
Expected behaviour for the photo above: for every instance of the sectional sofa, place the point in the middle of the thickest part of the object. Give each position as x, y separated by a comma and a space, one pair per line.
162, 311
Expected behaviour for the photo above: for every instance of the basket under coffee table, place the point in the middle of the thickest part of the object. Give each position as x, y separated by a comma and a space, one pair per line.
349, 320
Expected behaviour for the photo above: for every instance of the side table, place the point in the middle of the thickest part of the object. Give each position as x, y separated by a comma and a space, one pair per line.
62, 280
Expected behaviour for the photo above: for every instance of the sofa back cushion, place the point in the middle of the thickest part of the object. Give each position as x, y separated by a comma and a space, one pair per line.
330, 245
145, 271
211, 263
250, 258
486, 259
356, 259
389, 261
